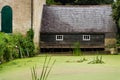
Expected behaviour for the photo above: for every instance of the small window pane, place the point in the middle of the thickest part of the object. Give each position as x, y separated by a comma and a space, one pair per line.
59, 37
86, 37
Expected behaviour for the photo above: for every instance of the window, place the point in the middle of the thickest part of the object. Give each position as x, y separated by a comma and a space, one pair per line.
6, 19
59, 37
86, 37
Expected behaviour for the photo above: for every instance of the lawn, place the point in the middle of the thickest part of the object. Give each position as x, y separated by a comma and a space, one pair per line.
65, 68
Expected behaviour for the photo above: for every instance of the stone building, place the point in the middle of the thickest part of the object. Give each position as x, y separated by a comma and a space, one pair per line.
20, 16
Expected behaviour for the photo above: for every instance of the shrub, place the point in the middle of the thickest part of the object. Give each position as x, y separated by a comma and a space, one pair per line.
2, 47
25, 44
19, 39
77, 50
16, 46
82, 60
96, 60
6, 47
30, 47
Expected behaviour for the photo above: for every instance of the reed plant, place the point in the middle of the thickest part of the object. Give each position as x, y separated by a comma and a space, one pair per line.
77, 50
45, 70
97, 60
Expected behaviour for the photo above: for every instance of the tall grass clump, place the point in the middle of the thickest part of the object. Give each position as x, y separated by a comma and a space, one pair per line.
77, 50
45, 70
97, 60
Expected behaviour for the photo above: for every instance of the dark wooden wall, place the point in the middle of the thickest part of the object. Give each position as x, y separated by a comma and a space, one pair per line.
49, 41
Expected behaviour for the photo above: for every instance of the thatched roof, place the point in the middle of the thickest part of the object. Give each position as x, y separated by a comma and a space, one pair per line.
75, 19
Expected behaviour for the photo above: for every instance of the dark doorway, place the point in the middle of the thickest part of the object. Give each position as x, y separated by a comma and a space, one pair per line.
6, 19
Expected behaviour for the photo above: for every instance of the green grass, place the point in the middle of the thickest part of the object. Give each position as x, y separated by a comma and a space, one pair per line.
20, 69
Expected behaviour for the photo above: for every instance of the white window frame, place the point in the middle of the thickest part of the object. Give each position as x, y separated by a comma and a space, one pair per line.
86, 37
59, 39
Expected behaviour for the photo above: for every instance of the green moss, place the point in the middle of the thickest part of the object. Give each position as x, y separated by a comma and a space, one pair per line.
20, 69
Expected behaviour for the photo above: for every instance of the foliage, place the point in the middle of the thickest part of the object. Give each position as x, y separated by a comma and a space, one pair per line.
116, 11
2, 46
86, 2
45, 70
30, 34
50, 2
80, 2
97, 60
6, 47
16, 46
63, 2
118, 41
92, 2
77, 50
30, 44
108, 1
25, 44
116, 17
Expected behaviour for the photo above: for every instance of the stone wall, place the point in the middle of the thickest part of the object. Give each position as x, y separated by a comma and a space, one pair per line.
21, 14
37, 15
26, 14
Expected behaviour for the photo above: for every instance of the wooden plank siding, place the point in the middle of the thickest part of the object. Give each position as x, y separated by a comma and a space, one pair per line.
49, 41
75, 21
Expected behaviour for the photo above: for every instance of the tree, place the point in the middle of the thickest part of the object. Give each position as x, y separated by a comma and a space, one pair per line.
93, 2
86, 2
80, 2
63, 2
108, 1
116, 14
116, 18
50, 2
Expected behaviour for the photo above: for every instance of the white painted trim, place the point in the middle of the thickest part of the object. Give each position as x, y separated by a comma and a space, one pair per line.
59, 37
86, 37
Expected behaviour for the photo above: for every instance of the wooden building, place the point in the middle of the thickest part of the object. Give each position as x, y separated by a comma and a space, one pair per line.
63, 26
